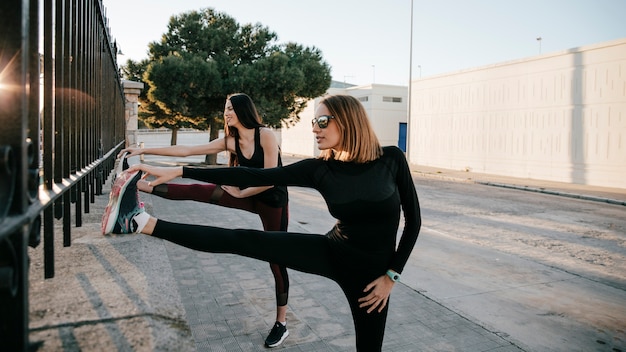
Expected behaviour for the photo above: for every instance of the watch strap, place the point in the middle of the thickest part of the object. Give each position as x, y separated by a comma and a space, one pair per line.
394, 276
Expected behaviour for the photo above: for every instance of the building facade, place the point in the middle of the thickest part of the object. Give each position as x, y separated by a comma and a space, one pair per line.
558, 117
386, 106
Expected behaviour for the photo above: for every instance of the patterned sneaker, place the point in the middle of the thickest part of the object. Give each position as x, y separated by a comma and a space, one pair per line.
277, 335
123, 205
121, 166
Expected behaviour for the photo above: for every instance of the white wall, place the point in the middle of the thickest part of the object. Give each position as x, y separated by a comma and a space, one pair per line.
298, 139
558, 117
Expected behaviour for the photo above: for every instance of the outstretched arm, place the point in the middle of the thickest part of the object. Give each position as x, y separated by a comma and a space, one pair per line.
213, 147
162, 174
297, 174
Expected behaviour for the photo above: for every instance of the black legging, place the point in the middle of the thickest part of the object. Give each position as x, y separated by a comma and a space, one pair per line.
308, 253
272, 218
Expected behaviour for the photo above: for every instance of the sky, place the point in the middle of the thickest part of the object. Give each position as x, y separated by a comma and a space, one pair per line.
371, 41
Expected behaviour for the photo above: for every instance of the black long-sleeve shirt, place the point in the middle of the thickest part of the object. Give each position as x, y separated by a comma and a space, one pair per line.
365, 198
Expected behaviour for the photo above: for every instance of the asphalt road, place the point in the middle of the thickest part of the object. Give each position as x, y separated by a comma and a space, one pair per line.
546, 271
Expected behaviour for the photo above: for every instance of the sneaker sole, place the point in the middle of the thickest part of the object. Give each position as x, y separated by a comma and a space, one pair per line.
113, 208
279, 341
119, 168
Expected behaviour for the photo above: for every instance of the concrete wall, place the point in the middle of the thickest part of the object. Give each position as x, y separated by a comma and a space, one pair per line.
384, 116
156, 138
558, 117
298, 139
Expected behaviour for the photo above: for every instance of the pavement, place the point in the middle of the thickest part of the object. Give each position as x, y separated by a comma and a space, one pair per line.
138, 293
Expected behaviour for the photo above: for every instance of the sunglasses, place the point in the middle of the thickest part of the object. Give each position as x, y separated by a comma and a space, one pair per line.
322, 121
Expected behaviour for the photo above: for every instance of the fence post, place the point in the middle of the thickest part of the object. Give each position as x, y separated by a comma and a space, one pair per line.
83, 115
18, 64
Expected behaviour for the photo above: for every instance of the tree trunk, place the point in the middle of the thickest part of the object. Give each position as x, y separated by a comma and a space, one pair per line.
174, 139
214, 133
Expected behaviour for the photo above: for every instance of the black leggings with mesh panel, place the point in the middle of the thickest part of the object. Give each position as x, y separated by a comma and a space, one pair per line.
309, 253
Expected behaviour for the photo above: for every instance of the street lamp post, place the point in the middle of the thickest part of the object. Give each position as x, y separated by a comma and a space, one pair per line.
408, 117
373, 74
344, 80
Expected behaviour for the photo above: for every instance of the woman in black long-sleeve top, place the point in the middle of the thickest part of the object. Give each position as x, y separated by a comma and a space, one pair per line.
365, 187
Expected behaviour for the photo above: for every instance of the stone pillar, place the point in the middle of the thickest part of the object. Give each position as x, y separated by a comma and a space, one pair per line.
132, 90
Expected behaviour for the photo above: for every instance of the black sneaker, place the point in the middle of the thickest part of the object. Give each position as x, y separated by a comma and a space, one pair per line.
123, 205
277, 335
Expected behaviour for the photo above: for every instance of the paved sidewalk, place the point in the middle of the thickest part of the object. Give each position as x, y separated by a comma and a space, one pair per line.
143, 294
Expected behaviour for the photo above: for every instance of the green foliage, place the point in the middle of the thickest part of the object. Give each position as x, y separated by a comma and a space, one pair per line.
206, 55
283, 82
182, 87
133, 71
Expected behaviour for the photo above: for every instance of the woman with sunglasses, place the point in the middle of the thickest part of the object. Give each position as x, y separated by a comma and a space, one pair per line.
366, 187
249, 144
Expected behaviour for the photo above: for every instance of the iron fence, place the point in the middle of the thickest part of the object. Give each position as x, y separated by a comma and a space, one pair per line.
62, 115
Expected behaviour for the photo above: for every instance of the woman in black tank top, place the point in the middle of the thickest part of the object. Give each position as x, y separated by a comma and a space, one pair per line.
249, 144
275, 196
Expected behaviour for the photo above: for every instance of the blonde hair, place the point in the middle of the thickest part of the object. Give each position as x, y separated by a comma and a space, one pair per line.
358, 141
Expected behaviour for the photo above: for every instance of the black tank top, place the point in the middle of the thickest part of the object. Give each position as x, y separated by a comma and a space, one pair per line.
275, 196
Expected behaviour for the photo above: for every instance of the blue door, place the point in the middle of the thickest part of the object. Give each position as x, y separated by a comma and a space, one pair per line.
402, 136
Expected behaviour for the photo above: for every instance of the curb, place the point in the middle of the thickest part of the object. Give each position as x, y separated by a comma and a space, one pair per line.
523, 188
556, 193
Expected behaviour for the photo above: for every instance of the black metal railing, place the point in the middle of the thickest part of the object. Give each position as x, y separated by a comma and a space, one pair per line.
57, 146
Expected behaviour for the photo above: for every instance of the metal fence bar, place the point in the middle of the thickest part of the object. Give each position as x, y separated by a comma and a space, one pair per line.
49, 128
14, 118
57, 154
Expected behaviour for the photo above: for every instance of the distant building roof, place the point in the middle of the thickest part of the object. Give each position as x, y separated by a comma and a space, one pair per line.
337, 84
